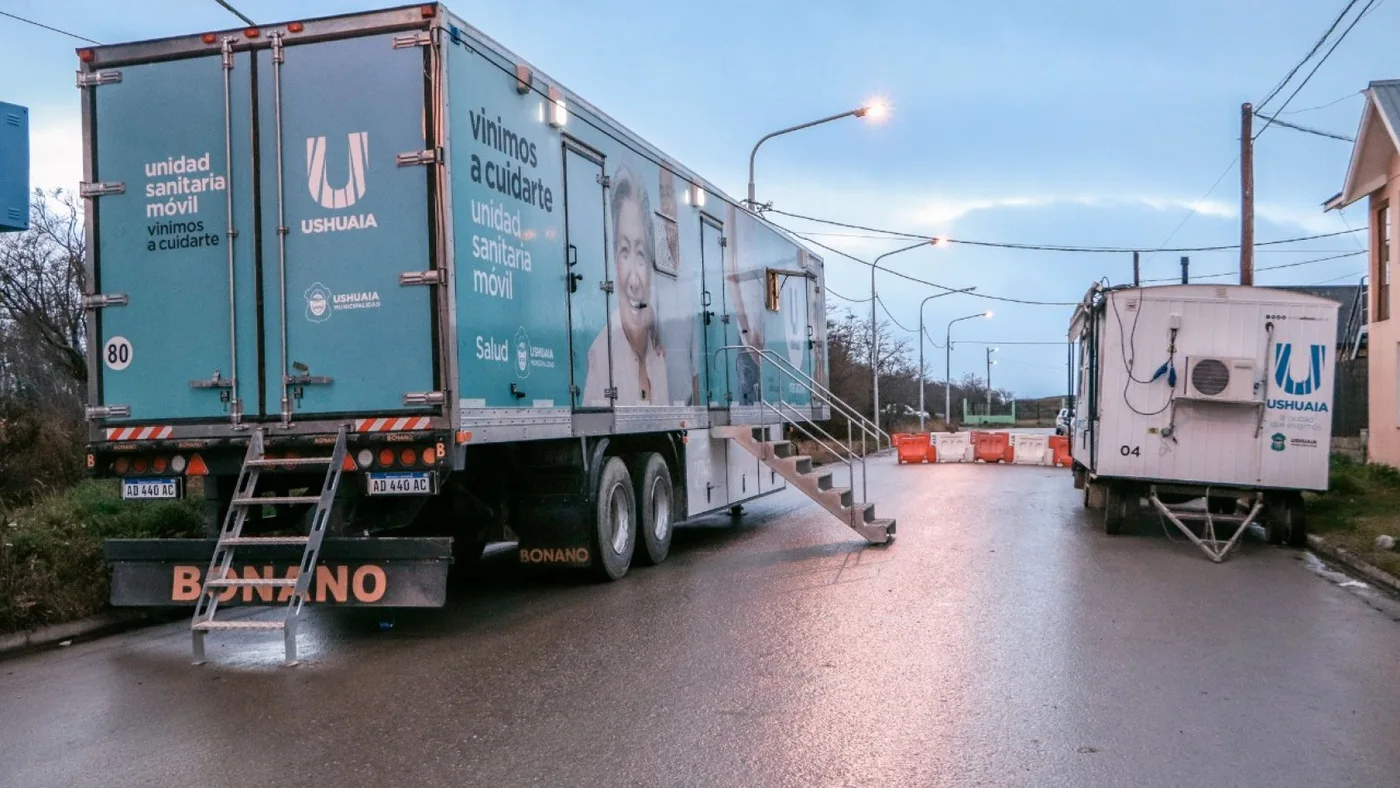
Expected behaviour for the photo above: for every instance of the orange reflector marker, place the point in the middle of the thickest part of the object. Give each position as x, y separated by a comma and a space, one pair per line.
86, 55
209, 38
408, 456
197, 467
295, 27
158, 465
428, 11
252, 32
464, 436
349, 464
386, 457
121, 465
139, 465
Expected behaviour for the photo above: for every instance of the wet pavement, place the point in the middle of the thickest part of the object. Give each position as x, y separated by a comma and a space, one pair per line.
1003, 640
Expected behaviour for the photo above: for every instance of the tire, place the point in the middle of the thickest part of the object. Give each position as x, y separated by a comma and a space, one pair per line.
656, 498
614, 521
1120, 508
1287, 521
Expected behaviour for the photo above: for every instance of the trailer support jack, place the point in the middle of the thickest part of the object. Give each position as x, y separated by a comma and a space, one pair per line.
1208, 541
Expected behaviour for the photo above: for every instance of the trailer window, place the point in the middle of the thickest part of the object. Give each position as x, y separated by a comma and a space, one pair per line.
1382, 275
774, 290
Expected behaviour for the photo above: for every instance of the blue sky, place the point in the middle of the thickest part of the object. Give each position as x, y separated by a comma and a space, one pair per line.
1094, 123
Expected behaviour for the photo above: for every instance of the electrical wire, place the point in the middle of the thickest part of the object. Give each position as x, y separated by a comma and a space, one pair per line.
1321, 60
945, 288
890, 315
1358, 274
1315, 47
1195, 207
1308, 130
1263, 268
237, 13
50, 28
1045, 247
1331, 103
847, 298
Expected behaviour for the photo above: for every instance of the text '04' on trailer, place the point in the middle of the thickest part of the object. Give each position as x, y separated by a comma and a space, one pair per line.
391, 294
1190, 392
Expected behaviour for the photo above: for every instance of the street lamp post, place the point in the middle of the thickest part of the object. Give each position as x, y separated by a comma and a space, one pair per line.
875, 110
990, 362
921, 347
874, 325
948, 366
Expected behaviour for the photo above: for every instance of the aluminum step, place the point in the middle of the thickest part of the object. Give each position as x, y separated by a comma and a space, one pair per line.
209, 626
276, 501
273, 462
241, 541
252, 582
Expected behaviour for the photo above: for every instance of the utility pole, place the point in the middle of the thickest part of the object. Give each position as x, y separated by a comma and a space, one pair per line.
1247, 194
989, 380
1137, 271
1185, 270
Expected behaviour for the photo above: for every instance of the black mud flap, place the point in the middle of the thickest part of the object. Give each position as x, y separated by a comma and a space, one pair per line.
353, 572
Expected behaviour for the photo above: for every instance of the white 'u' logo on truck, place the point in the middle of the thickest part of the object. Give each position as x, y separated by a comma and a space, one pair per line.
321, 190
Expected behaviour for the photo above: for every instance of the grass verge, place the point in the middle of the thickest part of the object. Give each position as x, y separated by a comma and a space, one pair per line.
51, 567
1362, 502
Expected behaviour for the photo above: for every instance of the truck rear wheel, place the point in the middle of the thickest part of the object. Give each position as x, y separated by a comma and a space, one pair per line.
1287, 521
615, 521
1120, 507
655, 496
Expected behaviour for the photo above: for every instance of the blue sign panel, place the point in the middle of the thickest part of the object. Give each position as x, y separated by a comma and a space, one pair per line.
14, 167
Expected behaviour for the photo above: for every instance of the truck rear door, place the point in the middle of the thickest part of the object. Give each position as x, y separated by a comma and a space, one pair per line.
174, 317
344, 127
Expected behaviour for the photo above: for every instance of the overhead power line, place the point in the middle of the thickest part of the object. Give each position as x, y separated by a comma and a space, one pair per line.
1262, 269
847, 298
1331, 135
1331, 103
237, 13
1050, 247
890, 315
49, 28
1321, 60
1315, 47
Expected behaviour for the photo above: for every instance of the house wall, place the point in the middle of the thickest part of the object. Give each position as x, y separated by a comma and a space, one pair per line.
1383, 359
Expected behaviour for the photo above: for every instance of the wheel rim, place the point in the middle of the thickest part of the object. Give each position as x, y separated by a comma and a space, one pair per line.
619, 518
660, 508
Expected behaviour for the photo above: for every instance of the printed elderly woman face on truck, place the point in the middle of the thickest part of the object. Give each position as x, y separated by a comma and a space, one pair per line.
638, 361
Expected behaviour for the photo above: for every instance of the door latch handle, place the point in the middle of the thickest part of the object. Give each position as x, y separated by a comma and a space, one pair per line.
709, 317
574, 279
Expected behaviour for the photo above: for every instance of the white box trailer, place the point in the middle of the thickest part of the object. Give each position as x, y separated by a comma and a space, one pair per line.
1220, 392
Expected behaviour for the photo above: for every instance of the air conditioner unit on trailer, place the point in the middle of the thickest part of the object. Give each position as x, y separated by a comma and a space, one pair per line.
1220, 378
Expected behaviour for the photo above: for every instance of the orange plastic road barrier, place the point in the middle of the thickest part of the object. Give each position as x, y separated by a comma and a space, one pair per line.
992, 447
912, 447
1059, 444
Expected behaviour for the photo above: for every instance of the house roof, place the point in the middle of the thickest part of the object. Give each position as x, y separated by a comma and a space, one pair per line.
1342, 294
1376, 142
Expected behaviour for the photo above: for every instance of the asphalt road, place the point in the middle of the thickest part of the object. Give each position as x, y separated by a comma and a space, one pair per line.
1003, 640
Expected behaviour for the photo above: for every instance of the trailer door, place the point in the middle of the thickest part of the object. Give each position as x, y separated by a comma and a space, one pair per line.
347, 176
173, 320
715, 317
585, 219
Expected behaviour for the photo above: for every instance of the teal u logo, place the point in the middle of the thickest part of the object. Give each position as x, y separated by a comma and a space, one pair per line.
1283, 374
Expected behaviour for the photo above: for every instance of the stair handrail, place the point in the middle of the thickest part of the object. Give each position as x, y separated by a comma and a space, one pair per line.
1357, 319
830, 445
868, 427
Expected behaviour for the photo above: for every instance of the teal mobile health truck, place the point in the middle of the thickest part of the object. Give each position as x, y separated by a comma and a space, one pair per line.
382, 293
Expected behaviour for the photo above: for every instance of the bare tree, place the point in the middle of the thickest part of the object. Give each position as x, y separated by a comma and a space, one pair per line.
41, 287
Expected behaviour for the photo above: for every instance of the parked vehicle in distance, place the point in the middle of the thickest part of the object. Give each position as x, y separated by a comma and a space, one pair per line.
1062, 426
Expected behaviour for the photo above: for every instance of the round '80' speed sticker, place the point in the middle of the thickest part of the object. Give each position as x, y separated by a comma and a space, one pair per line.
117, 353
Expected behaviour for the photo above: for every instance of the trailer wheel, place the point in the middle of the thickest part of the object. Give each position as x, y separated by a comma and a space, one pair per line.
1287, 521
1120, 507
655, 497
615, 521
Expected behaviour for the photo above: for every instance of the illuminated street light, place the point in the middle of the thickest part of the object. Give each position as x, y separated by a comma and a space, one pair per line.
875, 110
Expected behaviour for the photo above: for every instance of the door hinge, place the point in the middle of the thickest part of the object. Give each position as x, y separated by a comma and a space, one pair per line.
610, 393
107, 412
101, 188
226, 52
102, 300
724, 319
437, 276
575, 390
88, 79
606, 286
723, 242
416, 157
425, 398
604, 181
421, 38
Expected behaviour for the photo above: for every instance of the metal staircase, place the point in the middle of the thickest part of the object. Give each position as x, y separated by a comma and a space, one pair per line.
1358, 322
219, 578
781, 455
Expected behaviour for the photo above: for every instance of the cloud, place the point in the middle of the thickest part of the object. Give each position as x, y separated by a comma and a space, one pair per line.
55, 154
